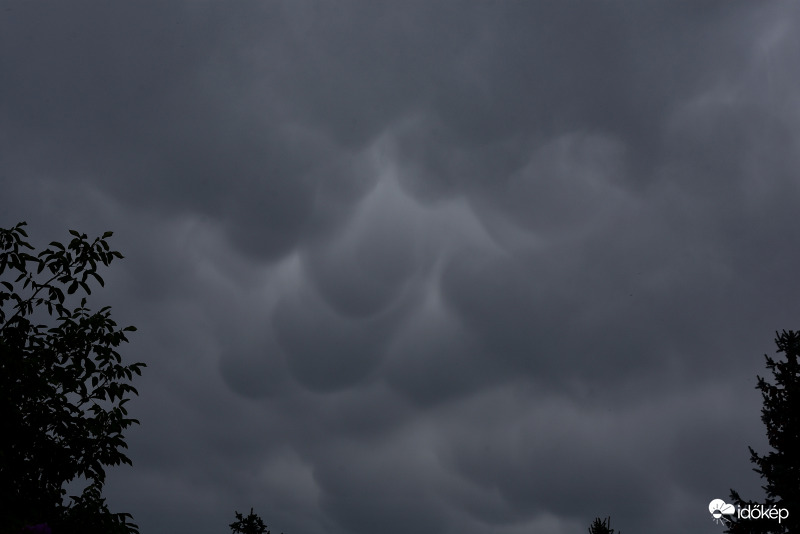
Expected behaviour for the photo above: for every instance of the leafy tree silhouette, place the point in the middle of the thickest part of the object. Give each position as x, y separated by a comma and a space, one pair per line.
63, 389
781, 467
252, 524
601, 526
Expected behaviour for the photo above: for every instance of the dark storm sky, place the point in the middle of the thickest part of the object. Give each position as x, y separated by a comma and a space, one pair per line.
423, 267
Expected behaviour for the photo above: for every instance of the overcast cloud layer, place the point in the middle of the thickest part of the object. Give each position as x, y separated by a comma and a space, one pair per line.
423, 267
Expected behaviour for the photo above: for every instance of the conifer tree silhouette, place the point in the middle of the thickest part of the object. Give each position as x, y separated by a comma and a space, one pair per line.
781, 467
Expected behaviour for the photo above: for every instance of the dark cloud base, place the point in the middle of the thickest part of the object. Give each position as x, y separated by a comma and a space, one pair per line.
423, 267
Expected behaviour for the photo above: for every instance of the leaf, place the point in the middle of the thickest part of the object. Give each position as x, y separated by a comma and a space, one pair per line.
106, 235
85, 287
73, 288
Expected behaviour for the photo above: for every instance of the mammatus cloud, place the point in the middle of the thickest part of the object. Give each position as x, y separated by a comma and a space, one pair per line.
430, 267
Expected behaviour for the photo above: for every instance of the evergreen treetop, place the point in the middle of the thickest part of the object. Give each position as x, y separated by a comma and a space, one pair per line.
781, 466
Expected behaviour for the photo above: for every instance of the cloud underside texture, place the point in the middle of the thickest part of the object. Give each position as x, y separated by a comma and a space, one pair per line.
418, 266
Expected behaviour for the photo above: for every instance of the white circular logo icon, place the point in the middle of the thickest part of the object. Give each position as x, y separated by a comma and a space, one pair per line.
720, 508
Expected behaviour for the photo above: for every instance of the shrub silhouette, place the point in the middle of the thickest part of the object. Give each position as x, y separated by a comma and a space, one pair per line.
601, 526
252, 524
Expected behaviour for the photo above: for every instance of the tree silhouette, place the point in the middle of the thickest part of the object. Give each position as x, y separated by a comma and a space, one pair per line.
252, 524
601, 526
63, 388
781, 467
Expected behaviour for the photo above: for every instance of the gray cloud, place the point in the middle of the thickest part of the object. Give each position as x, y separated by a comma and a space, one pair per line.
426, 267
